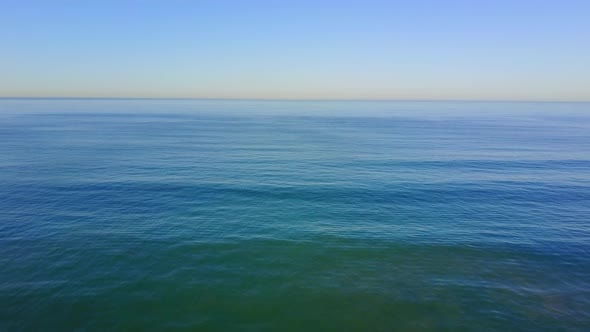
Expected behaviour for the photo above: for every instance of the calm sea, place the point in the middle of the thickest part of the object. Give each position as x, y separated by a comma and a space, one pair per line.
204, 215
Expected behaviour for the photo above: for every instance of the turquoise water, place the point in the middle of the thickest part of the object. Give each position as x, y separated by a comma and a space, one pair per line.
204, 215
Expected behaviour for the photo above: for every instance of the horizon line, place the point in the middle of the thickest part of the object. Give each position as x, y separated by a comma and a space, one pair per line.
293, 99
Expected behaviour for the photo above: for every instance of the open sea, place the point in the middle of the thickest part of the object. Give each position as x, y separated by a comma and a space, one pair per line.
212, 215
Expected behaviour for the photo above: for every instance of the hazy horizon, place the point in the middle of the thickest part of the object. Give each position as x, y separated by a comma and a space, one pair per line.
267, 50
298, 99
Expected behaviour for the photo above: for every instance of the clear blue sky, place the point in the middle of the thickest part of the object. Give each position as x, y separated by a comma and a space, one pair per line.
488, 50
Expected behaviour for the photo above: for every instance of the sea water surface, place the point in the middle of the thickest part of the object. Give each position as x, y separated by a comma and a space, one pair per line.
211, 215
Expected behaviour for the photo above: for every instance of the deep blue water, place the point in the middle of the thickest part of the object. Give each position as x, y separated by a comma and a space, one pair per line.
137, 215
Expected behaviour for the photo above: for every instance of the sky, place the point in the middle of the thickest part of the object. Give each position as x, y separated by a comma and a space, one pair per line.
250, 49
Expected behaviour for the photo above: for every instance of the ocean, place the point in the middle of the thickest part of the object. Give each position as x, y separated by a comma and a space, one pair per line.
219, 215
